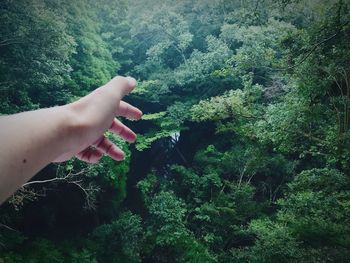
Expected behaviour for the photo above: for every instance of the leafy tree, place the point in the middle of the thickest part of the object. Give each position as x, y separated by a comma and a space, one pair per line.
119, 241
243, 152
35, 47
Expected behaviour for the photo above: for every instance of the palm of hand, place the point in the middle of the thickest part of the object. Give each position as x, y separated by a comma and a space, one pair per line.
95, 114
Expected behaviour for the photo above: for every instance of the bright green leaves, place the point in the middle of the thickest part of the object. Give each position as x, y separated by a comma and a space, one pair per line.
259, 47
167, 227
153, 116
168, 213
274, 243
170, 123
320, 180
217, 208
202, 64
198, 187
147, 187
119, 241
145, 141
178, 113
311, 218
155, 52
153, 90
168, 34
314, 209
223, 107
175, 75
236, 110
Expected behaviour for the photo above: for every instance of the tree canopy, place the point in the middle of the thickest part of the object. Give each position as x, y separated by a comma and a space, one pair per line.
243, 153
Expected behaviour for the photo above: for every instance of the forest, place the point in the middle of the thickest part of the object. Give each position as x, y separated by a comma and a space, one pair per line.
243, 151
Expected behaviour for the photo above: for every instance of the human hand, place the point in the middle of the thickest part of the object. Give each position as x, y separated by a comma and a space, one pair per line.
93, 115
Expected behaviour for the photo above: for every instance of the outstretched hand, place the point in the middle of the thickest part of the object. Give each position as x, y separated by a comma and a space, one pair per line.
31, 140
95, 114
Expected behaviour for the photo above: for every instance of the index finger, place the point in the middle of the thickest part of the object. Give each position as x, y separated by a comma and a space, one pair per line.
123, 84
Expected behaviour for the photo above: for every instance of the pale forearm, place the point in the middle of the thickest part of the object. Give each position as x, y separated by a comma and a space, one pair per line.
29, 141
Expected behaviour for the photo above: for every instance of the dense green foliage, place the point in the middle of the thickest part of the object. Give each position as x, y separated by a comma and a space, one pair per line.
243, 154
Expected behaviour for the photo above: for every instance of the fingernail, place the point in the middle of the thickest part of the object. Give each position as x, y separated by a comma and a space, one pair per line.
131, 81
133, 139
119, 158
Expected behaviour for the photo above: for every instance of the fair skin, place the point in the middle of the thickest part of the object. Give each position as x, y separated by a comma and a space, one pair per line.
31, 140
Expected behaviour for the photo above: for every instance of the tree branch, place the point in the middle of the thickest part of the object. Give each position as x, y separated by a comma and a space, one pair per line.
71, 178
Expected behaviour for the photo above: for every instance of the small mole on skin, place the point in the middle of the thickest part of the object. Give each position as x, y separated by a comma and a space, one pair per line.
24, 160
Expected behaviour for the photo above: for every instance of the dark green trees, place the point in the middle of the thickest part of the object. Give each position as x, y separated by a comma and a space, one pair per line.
35, 49
243, 153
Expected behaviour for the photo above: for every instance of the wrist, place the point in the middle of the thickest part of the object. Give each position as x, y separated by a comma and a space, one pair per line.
72, 126
78, 124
